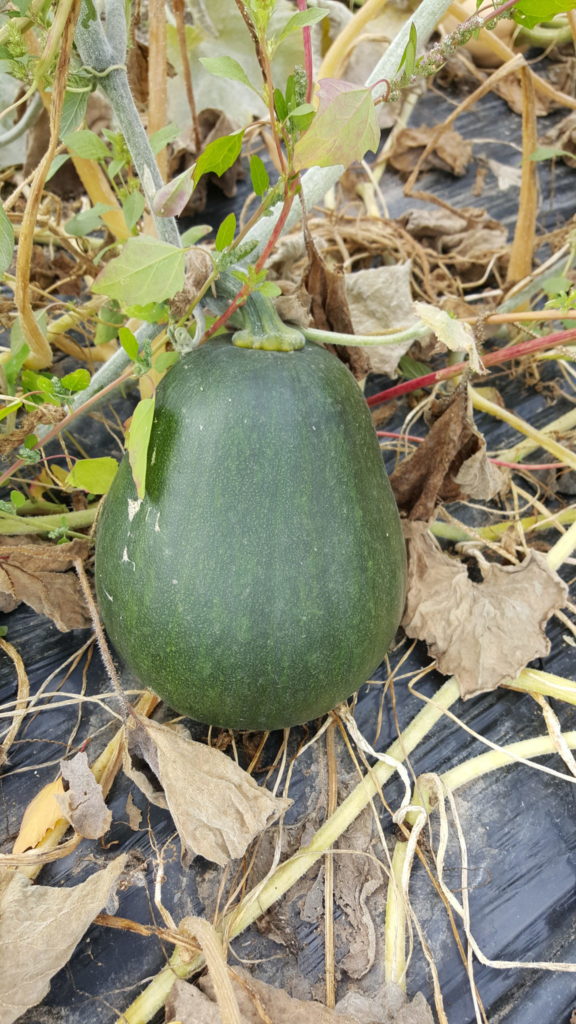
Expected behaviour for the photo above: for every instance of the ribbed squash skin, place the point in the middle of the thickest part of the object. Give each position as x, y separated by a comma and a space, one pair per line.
261, 580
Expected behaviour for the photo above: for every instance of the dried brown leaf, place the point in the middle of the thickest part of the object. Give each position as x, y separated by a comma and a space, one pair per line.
256, 996
217, 807
40, 926
36, 574
134, 814
451, 151
380, 299
441, 468
481, 633
83, 802
329, 305
388, 1006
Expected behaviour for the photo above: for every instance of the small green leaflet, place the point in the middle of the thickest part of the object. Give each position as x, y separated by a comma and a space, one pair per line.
301, 20
258, 175
6, 241
87, 221
17, 499
73, 112
171, 199
86, 144
408, 61
226, 67
151, 312
56, 164
133, 208
194, 234
219, 155
93, 475
145, 269
344, 128
158, 140
532, 12
129, 342
164, 360
226, 231
7, 409
76, 381
137, 441
548, 153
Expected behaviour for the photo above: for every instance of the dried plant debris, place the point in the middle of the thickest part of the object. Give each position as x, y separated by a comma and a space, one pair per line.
217, 807
83, 802
258, 1002
37, 574
481, 633
380, 300
40, 926
450, 151
329, 306
468, 240
451, 463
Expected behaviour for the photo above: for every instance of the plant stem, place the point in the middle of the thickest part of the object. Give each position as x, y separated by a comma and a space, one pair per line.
532, 680
448, 531
366, 340
559, 451
13, 526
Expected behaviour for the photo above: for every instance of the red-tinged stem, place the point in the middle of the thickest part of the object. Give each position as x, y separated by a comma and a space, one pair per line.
240, 299
525, 348
58, 427
497, 462
307, 40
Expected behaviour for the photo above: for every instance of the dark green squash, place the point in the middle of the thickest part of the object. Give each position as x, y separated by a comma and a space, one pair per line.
262, 578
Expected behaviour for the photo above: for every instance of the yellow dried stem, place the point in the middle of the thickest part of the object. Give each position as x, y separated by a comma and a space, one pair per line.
542, 440
157, 76
21, 700
522, 252
329, 957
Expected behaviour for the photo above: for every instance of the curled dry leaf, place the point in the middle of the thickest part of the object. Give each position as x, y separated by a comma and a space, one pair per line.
481, 633
41, 815
451, 462
456, 335
40, 926
217, 807
380, 299
37, 574
329, 306
83, 802
451, 152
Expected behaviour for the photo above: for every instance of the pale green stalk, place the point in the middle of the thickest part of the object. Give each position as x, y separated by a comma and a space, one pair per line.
450, 531
13, 525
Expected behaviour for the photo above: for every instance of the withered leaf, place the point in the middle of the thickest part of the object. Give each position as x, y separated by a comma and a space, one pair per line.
41, 815
379, 300
455, 334
451, 152
40, 926
440, 468
388, 1005
83, 802
481, 633
276, 1003
217, 807
37, 574
329, 305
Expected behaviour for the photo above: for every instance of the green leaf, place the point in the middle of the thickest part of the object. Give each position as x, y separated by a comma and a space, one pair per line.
150, 312
344, 128
76, 381
408, 60
145, 269
93, 475
258, 175
129, 342
310, 17
172, 197
56, 164
41, 388
137, 441
133, 207
6, 241
7, 409
548, 153
87, 145
542, 10
164, 360
280, 105
73, 111
226, 67
87, 221
302, 116
219, 155
17, 498
194, 234
158, 140
226, 231
110, 318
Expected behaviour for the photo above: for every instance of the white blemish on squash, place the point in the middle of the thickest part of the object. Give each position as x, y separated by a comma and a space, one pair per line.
125, 558
157, 524
133, 507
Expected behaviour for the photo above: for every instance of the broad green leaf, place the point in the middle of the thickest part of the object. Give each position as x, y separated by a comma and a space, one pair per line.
158, 140
87, 221
146, 269
344, 128
542, 10
310, 17
225, 235
73, 112
129, 342
6, 241
86, 144
258, 175
56, 164
226, 67
194, 234
171, 199
150, 312
76, 381
137, 441
219, 155
133, 208
93, 475
408, 61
